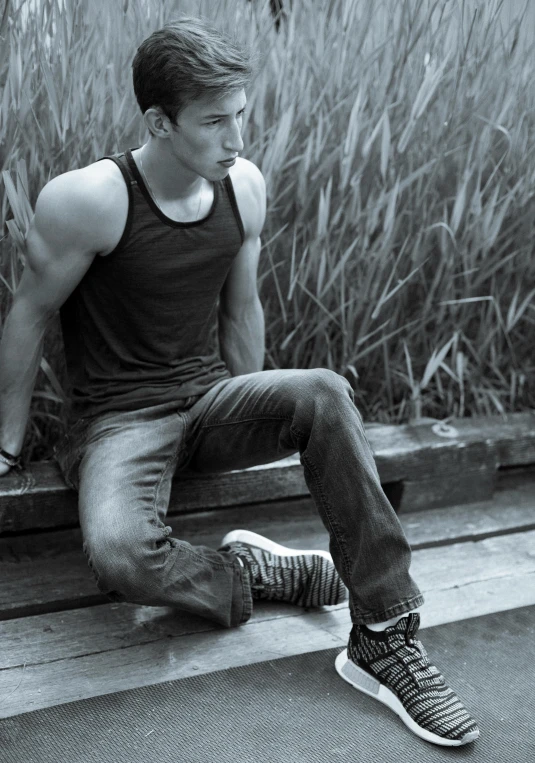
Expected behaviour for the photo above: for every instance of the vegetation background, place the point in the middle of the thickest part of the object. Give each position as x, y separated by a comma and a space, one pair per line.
397, 139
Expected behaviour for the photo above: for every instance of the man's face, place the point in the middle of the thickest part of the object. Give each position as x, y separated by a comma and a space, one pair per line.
208, 132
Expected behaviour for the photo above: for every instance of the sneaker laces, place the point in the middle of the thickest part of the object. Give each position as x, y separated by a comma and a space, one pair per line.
407, 649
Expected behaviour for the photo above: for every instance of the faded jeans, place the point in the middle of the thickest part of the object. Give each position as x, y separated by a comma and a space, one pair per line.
122, 464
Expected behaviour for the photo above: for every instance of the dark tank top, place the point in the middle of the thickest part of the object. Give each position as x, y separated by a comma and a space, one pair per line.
140, 328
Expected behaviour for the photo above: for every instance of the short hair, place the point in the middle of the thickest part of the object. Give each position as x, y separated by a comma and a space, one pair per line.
185, 60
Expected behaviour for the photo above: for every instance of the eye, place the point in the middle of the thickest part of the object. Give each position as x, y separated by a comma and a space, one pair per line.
218, 121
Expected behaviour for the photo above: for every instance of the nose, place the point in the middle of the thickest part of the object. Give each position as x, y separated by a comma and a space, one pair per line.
233, 140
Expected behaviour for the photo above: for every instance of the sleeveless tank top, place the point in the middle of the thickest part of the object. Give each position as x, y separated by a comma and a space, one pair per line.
140, 328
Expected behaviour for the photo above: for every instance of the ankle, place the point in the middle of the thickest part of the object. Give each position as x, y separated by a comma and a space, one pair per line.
378, 627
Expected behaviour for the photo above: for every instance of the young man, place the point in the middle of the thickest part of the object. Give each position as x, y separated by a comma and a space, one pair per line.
151, 257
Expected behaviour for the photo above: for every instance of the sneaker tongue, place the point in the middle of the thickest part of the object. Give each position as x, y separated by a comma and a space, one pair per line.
413, 623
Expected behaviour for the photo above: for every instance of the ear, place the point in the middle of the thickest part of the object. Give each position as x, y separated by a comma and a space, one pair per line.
158, 124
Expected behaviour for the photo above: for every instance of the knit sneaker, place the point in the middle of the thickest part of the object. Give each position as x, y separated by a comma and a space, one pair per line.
306, 578
392, 666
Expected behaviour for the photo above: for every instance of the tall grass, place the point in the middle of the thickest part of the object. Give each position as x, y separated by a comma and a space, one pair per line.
397, 143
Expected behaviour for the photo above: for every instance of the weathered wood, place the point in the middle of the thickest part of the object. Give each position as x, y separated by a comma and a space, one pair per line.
75, 633
38, 498
47, 585
48, 572
465, 484
511, 510
510, 441
296, 521
60, 657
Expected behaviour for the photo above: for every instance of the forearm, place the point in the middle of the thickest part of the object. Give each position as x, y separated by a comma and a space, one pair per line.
21, 350
242, 341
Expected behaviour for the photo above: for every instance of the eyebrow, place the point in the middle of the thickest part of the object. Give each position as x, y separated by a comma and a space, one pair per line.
213, 116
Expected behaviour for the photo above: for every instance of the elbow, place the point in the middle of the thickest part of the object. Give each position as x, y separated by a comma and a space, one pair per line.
238, 313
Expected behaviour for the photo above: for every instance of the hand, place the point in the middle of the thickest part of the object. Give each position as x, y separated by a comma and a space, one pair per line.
4, 468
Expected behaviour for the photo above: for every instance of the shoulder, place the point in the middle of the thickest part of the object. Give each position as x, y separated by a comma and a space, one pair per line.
250, 190
85, 204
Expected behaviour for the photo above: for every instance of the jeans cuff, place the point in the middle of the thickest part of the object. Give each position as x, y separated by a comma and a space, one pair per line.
380, 617
247, 596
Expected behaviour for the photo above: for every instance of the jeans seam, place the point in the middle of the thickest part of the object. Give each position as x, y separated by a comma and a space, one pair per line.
262, 417
191, 445
180, 448
247, 608
335, 528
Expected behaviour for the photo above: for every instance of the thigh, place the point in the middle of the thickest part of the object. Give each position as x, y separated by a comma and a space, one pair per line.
125, 470
250, 420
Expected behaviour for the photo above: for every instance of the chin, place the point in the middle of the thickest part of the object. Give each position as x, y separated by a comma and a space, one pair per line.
218, 174
212, 173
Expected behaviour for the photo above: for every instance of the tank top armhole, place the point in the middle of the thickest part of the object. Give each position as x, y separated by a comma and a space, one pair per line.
234, 204
129, 182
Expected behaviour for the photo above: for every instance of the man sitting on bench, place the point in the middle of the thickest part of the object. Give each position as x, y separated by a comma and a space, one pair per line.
151, 257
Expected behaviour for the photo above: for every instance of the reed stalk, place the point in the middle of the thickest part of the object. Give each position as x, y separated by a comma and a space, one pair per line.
397, 143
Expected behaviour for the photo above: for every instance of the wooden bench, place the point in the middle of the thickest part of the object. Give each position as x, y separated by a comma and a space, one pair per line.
465, 495
421, 466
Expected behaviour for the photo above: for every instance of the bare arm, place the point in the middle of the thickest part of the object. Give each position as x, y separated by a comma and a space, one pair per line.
241, 317
61, 245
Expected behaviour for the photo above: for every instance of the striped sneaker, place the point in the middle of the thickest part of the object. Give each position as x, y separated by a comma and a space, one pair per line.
392, 666
306, 578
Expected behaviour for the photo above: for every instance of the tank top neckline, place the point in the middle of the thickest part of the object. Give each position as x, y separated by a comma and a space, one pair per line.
152, 204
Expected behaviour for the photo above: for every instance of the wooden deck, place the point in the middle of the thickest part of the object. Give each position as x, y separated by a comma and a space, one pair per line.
62, 641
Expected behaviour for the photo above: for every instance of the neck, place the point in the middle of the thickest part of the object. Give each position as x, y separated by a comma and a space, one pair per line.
167, 176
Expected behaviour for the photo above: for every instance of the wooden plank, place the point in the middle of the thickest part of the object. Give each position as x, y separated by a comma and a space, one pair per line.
75, 633
510, 440
48, 572
296, 522
47, 585
38, 498
462, 581
512, 436
464, 484
462, 524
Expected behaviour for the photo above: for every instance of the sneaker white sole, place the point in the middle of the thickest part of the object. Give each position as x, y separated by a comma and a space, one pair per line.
369, 685
259, 541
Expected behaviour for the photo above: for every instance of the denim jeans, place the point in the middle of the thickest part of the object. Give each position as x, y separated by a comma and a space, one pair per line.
122, 464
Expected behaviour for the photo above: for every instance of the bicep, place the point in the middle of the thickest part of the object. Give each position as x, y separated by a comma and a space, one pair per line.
240, 287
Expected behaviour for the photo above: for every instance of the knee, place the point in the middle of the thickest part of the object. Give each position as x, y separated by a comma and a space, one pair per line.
118, 563
325, 388
328, 382
324, 398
